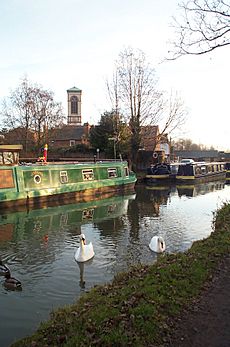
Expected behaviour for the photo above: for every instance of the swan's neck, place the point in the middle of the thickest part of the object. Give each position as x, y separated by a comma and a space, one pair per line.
82, 245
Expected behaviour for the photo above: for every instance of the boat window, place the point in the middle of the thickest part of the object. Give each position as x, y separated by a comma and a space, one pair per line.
203, 169
174, 169
37, 179
63, 177
88, 175
126, 172
112, 172
209, 168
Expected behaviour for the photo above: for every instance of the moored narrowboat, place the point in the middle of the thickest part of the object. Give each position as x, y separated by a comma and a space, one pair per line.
35, 184
161, 172
200, 171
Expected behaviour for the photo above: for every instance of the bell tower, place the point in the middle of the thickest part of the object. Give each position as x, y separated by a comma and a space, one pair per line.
74, 106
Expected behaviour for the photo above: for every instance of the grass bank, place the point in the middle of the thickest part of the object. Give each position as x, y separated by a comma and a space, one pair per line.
134, 310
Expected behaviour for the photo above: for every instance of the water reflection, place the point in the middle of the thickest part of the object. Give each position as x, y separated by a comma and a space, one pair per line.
39, 245
198, 189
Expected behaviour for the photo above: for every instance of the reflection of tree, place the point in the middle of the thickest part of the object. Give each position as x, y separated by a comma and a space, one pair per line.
150, 199
147, 203
109, 227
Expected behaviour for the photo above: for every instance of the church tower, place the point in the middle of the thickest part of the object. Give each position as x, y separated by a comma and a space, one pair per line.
74, 106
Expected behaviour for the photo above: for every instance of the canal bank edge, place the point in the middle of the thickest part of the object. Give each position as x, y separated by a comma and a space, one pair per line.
141, 307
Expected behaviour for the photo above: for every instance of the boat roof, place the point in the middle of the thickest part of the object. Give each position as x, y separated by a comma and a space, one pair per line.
11, 147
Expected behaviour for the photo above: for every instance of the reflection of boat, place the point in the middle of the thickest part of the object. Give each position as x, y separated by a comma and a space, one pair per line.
35, 184
200, 172
161, 172
192, 190
62, 217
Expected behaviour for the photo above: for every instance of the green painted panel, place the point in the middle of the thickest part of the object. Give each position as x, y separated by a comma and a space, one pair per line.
37, 179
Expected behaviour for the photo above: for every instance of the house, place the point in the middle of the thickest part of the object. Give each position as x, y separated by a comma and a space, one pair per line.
149, 137
154, 147
70, 135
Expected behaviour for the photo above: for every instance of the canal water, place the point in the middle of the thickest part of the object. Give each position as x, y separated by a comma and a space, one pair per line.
39, 245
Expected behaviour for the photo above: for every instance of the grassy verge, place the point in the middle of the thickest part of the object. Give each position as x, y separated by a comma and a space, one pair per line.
134, 309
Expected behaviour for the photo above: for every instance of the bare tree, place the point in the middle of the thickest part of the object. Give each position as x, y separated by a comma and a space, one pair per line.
33, 110
47, 114
16, 111
204, 26
134, 90
173, 116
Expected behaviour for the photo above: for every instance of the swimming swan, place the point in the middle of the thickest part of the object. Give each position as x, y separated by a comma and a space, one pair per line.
157, 244
84, 252
11, 282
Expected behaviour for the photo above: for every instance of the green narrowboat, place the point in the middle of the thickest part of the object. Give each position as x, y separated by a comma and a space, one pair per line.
200, 172
39, 183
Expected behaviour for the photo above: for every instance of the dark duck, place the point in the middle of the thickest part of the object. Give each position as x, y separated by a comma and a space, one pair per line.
11, 282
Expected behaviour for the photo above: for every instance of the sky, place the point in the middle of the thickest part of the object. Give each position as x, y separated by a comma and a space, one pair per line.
61, 44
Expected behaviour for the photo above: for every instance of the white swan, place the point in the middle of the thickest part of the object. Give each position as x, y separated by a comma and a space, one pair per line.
84, 252
157, 244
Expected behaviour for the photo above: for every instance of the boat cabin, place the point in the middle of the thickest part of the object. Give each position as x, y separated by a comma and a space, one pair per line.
201, 170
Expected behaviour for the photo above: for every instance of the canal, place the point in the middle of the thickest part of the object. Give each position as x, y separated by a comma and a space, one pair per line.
39, 245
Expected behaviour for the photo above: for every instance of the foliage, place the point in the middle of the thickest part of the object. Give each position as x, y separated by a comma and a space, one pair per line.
137, 307
32, 109
111, 135
204, 26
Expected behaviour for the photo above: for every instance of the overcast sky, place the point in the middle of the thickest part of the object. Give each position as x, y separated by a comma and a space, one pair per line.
61, 44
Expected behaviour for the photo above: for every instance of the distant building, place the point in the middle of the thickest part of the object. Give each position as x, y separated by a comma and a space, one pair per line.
70, 135
74, 106
74, 133
149, 135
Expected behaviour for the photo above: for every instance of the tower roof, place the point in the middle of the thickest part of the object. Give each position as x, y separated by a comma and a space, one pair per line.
74, 89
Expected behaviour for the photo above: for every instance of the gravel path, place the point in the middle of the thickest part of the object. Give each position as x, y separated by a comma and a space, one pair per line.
207, 323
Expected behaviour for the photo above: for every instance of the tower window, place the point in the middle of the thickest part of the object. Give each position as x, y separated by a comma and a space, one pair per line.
74, 104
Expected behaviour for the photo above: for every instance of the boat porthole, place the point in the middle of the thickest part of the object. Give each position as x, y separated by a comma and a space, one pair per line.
37, 179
